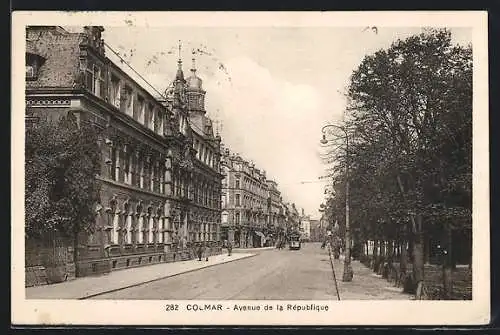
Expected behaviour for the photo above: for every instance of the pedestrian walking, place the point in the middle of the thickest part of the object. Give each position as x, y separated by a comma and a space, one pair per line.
199, 251
206, 250
229, 248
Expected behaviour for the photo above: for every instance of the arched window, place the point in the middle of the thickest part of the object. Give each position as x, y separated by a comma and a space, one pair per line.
116, 228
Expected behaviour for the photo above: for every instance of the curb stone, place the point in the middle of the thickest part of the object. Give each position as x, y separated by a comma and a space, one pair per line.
161, 278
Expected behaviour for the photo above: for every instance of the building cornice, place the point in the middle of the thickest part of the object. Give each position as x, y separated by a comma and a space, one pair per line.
71, 93
134, 188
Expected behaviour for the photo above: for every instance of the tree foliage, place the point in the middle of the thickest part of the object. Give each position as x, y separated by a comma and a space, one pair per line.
61, 161
409, 119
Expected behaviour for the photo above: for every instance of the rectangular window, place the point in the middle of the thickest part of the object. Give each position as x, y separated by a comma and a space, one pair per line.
115, 92
126, 168
114, 175
141, 108
237, 218
90, 77
152, 176
160, 117
129, 102
98, 85
200, 152
238, 200
205, 157
147, 113
237, 184
102, 83
152, 117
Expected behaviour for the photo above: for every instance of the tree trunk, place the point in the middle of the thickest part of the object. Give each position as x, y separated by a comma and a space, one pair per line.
375, 255
427, 250
418, 259
403, 263
390, 252
448, 264
75, 249
382, 258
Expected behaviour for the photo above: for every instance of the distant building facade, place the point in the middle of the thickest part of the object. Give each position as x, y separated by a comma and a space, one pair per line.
317, 231
292, 218
159, 180
276, 215
252, 214
305, 226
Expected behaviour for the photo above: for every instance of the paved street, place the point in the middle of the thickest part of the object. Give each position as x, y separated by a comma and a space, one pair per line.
271, 275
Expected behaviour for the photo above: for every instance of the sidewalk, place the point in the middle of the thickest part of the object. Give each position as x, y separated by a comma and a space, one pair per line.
245, 250
365, 284
87, 287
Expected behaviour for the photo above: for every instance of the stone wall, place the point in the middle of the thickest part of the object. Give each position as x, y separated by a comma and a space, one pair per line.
49, 260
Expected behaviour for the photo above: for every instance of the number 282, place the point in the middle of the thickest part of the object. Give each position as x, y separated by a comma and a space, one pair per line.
171, 307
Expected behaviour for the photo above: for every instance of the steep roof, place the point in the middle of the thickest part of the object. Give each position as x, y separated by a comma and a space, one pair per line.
60, 49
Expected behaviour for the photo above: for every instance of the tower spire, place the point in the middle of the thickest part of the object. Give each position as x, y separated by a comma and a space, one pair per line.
179, 53
180, 74
193, 66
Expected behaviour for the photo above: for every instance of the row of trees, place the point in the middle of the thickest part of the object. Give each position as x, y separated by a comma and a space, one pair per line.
409, 125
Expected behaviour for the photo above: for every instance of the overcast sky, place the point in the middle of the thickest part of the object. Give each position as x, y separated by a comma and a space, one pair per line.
272, 88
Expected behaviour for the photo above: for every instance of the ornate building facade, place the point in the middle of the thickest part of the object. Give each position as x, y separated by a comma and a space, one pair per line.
252, 213
276, 214
292, 218
159, 180
305, 226
196, 205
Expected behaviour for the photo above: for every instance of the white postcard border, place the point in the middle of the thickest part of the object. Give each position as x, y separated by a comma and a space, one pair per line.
119, 312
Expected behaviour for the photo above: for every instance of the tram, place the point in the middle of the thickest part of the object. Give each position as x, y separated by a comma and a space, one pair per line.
294, 241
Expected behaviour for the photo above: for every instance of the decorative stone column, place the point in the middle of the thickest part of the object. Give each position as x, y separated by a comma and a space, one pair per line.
168, 223
185, 225
168, 176
99, 221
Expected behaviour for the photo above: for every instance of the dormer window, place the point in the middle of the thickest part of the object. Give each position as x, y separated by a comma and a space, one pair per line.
33, 64
31, 72
95, 80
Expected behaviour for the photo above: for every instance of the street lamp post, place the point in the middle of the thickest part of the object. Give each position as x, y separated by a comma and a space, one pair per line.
348, 274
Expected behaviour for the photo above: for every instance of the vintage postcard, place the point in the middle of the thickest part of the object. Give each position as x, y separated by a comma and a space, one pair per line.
244, 168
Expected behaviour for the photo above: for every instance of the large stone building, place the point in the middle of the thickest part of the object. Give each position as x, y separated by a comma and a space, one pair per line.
251, 214
196, 204
160, 182
276, 213
292, 217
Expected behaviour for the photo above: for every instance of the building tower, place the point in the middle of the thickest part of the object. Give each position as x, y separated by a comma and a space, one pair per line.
195, 93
